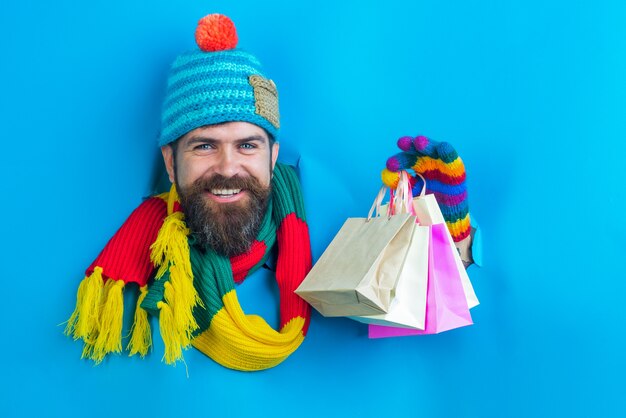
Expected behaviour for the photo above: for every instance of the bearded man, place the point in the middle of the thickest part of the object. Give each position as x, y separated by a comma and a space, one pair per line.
229, 205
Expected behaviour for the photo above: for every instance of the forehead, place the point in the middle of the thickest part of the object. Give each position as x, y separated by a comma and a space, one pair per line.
225, 132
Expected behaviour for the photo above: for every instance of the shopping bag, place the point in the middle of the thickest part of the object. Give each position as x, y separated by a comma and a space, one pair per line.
427, 211
408, 308
358, 272
446, 303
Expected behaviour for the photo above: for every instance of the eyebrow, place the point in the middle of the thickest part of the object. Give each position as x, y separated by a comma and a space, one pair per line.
208, 140
253, 138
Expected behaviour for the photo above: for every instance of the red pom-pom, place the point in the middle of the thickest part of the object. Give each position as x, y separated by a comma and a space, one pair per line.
216, 32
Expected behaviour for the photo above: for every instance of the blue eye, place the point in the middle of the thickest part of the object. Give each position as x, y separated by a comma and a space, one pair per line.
247, 145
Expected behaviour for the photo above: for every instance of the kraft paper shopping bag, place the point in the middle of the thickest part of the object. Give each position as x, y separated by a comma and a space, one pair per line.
408, 308
358, 272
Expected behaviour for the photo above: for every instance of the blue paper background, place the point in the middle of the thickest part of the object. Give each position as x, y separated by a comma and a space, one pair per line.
531, 93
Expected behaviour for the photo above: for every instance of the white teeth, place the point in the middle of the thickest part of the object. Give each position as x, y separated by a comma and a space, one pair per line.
225, 192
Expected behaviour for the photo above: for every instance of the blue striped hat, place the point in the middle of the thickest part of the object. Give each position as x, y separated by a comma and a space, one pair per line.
217, 83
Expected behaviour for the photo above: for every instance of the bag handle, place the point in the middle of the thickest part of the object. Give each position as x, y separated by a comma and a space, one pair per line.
400, 199
377, 203
423, 192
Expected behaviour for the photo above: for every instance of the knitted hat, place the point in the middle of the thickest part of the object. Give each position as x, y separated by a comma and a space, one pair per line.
217, 83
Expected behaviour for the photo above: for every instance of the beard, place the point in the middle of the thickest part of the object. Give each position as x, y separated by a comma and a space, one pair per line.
227, 228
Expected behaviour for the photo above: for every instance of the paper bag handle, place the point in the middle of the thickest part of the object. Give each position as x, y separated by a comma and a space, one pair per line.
402, 197
377, 203
423, 192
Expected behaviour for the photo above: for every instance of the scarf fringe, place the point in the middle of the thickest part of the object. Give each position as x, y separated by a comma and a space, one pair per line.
109, 339
83, 322
170, 334
98, 318
170, 252
182, 297
141, 339
171, 246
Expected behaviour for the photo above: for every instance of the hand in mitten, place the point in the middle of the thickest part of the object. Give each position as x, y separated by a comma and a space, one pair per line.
444, 172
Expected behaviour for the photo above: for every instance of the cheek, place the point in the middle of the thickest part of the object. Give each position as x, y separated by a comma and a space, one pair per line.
186, 173
263, 173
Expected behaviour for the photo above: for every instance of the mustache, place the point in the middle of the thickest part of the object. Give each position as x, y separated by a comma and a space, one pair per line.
218, 181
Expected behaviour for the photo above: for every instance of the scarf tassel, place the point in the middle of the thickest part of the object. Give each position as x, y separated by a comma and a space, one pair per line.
109, 338
84, 321
170, 252
98, 316
182, 297
171, 246
170, 334
141, 339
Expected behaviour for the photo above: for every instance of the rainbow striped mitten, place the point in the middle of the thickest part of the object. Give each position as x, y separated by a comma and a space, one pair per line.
444, 172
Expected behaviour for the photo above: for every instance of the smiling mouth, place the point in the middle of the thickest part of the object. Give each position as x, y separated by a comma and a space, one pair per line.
225, 192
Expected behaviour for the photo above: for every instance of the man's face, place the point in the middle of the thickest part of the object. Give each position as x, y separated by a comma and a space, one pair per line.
223, 174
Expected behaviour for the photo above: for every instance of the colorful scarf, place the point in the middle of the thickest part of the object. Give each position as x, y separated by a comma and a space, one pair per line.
193, 292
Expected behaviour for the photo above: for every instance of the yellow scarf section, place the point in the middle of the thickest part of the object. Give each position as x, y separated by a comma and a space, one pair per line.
246, 342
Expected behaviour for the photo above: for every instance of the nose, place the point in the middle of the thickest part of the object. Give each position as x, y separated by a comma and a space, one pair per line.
227, 163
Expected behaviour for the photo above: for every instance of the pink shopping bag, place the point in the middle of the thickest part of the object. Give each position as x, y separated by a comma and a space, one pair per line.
446, 303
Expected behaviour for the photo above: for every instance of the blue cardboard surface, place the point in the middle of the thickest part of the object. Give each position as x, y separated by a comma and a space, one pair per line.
532, 95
